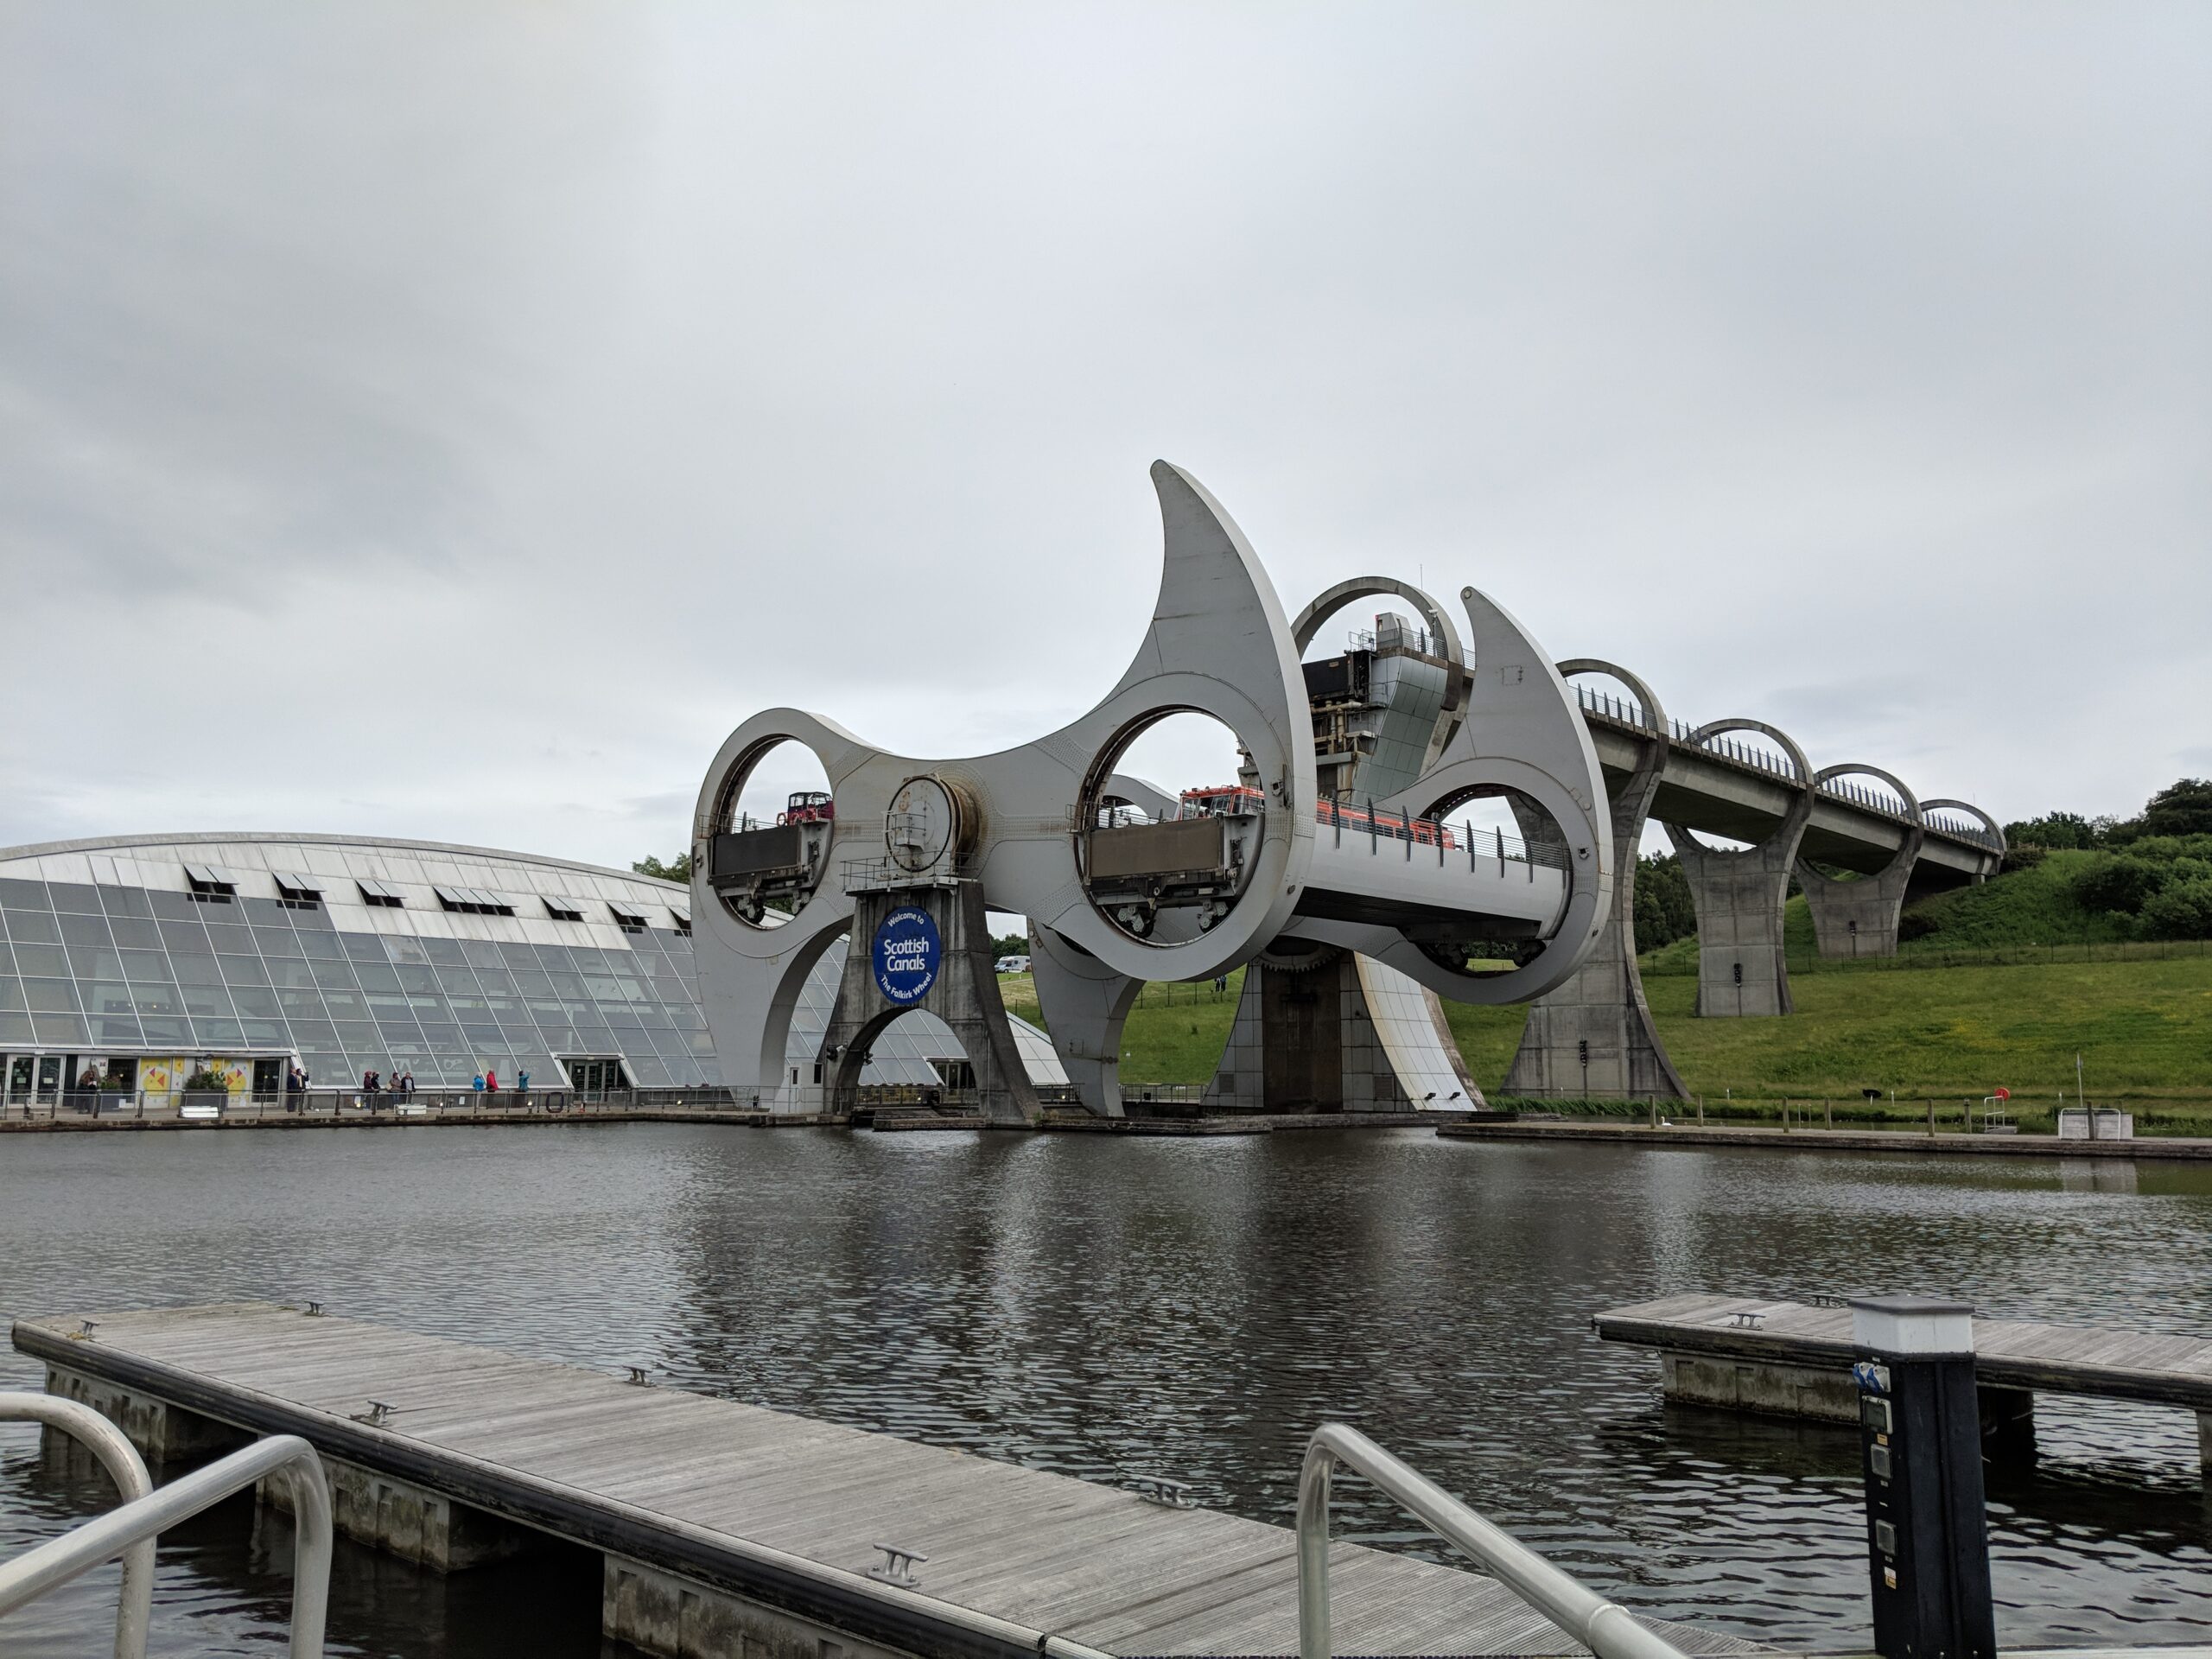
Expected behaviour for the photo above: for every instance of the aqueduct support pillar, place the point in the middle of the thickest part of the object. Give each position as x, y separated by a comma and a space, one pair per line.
1741, 969
1860, 918
1594, 1038
958, 984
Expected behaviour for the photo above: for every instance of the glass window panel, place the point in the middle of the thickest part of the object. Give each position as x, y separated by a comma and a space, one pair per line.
172, 907
518, 955
653, 1017
60, 1028
33, 924
390, 1005
504, 1008
150, 965
312, 921
416, 976
214, 1033
212, 1002
116, 1029
83, 930
47, 959
125, 901
22, 895
11, 995
569, 986
403, 947
243, 971
482, 953
185, 939
229, 939
345, 1005
702, 1044
276, 941
255, 1001
321, 946
483, 1032
156, 999
356, 1036
106, 996
88, 962
75, 896
265, 912
332, 975
670, 1044
265, 1033
429, 1008
376, 976
457, 978
555, 958
197, 971
313, 1033
55, 995
446, 953
650, 1074
133, 933
496, 981
623, 1019
290, 974
363, 947
580, 1011
166, 1028
301, 1005
16, 1029
534, 984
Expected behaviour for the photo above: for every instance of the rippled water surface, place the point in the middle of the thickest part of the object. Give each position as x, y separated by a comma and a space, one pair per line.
1105, 1305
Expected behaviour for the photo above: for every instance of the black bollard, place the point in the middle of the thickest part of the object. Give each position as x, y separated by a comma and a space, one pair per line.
1920, 1426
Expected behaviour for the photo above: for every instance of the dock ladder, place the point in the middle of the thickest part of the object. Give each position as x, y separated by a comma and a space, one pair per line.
129, 1531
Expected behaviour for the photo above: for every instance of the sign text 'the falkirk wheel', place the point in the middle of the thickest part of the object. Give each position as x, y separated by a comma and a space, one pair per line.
1124, 883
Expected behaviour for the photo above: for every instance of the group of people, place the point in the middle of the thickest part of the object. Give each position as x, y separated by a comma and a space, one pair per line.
402, 1085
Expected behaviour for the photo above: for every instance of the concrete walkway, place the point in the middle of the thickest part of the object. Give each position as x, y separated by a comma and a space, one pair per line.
2179, 1148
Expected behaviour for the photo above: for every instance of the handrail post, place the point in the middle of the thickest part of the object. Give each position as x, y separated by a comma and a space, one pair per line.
134, 1612
1314, 1550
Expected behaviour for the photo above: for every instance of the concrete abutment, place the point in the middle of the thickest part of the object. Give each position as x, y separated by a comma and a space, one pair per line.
681, 1619
1742, 972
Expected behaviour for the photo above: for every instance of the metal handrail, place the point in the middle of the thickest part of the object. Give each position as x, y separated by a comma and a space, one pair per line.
134, 1525
1608, 1630
133, 1612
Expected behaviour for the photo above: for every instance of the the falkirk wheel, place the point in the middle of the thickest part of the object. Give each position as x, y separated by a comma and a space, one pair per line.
1363, 889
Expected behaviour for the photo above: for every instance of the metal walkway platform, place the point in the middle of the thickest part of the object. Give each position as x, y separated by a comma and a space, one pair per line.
782, 1511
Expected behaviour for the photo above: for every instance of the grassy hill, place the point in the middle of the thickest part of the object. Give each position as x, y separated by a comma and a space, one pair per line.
2003, 984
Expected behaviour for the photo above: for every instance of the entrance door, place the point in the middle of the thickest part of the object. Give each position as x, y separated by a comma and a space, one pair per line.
19, 1078
49, 1077
594, 1076
268, 1079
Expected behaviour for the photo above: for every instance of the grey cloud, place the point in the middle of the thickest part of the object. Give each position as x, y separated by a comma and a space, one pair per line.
468, 416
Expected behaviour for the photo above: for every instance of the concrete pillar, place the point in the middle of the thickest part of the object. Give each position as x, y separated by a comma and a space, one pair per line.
1860, 918
964, 995
1308, 1036
1741, 969
681, 1618
1594, 1038
162, 1433
1084, 1004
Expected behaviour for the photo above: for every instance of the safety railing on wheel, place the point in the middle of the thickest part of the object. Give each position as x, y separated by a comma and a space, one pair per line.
1608, 1630
129, 1531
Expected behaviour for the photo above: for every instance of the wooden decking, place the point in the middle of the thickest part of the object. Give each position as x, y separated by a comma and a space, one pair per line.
2008, 1353
787, 1510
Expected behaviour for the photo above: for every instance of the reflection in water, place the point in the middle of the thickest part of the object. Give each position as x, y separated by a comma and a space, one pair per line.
1107, 1307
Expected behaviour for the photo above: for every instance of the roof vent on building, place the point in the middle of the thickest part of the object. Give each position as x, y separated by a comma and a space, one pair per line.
564, 910
633, 921
374, 891
210, 885
474, 901
294, 886
683, 914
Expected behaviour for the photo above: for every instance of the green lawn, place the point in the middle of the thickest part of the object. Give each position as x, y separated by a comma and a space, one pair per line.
2144, 1027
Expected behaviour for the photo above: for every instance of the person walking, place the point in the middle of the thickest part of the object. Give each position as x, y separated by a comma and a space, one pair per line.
490, 1081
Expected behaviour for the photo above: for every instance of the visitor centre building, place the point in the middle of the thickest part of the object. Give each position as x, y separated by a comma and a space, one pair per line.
144, 959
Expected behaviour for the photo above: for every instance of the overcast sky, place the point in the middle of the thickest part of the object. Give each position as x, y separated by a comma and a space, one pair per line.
450, 423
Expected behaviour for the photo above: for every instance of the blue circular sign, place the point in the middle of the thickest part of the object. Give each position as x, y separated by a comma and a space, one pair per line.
908, 953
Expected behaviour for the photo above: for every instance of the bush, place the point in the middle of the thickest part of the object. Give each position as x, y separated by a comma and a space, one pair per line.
2181, 910
2024, 855
2121, 884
